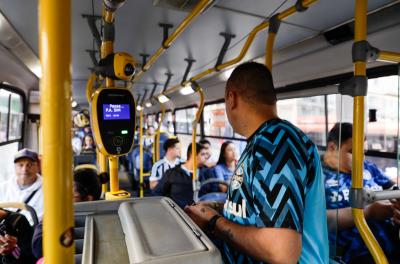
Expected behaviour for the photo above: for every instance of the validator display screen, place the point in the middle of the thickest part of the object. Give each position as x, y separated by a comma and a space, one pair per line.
116, 112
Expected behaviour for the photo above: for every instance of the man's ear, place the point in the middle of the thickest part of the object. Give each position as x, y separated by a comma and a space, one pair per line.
231, 99
331, 146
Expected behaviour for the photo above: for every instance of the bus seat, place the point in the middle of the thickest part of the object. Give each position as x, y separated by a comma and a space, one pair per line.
85, 158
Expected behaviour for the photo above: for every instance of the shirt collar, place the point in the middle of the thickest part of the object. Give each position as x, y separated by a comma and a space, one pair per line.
262, 126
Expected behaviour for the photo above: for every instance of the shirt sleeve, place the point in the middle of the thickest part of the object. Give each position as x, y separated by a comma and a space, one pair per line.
379, 176
277, 188
218, 172
154, 173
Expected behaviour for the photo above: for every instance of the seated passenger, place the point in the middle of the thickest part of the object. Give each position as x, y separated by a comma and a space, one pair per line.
87, 187
15, 239
226, 164
207, 145
337, 166
172, 150
88, 144
26, 185
177, 182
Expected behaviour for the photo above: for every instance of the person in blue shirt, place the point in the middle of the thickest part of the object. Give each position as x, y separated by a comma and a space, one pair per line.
275, 210
226, 163
337, 164
172, 149
177, 182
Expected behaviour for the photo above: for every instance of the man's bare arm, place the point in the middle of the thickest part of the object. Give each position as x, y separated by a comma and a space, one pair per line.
272, 245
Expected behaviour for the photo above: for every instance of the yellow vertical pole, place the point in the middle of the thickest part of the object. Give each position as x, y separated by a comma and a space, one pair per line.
360, 34
113, 162
107, 47
158, 134
102, 161
55, 86
196, 120
141, 192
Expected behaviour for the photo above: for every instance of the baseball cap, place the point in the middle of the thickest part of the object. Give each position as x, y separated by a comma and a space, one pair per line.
26, 153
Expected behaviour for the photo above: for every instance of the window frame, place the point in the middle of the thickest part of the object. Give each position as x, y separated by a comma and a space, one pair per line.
21, 93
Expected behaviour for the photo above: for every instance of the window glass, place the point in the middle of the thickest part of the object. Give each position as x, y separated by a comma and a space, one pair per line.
16, 117
216, 122
167, 124
382, 114
4, 101
306, 113
190, 115
181, 121
7, 160
185, 141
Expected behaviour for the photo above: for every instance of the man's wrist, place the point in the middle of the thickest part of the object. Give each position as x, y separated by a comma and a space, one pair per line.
210, 226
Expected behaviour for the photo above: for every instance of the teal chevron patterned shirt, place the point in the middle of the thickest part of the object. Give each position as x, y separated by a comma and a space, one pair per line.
278, 183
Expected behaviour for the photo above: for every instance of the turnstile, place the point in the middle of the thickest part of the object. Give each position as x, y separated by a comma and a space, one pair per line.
148, 230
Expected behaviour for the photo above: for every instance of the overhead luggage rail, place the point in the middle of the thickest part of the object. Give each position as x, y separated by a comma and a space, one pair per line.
264, 25
200, 7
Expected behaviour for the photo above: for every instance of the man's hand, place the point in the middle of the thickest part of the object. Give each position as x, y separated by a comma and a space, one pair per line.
200, 214
7, 244
396, 210
380, 210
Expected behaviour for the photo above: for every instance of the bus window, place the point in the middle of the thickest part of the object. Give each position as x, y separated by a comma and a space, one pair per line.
181, 123
16, 117
216, 122
4, 104
306, 113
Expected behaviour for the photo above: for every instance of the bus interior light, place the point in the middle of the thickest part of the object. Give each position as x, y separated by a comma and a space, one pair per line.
163, 98
139, 108
187, 89
74, 104
148, 104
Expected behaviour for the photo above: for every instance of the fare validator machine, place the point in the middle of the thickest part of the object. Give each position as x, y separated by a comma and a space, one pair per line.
113, 115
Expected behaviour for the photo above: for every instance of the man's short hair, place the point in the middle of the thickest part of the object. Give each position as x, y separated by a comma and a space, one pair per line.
170, 143
340, 132
204, 141
199, 147
253, 82
87, 182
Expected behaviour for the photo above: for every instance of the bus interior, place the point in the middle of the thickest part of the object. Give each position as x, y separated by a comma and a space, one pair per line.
182, 54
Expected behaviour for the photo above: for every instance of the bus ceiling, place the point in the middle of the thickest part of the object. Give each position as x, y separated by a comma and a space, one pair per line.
300, 40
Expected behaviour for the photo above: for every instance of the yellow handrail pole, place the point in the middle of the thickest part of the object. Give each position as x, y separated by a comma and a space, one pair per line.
286, 13
107, 47
389, 56
269, 50
158, 133
55, 86
196, 120
360, 34
177, 32
113, 163
102, 161
141, 192
89, 87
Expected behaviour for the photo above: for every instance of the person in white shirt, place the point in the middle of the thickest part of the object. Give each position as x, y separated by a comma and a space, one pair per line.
26, 186
172, 150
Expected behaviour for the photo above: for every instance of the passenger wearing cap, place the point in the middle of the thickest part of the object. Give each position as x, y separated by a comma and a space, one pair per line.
26, 185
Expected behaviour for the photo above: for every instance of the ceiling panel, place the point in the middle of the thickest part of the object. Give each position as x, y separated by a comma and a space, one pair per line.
137, 31
325, 14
